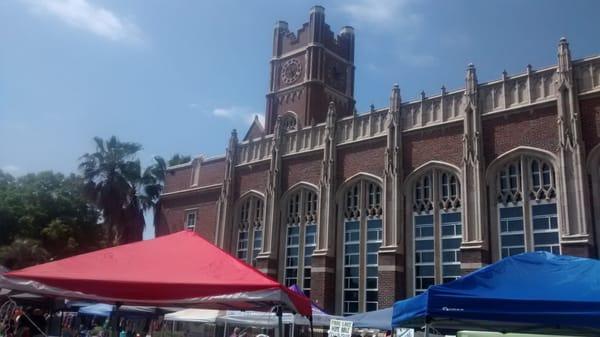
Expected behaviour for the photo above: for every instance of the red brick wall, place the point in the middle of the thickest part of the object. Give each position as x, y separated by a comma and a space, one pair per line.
522, 128
437, 143
212, 172
290, 43
305, 168
590, 122
361, 157
178, 179
251, 177
172, 214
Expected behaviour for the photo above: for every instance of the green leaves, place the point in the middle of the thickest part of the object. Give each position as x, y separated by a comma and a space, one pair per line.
47, 212
48, 215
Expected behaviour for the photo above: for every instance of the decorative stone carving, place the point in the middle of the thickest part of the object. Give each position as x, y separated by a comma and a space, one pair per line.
474, 205
225, 202
573, 192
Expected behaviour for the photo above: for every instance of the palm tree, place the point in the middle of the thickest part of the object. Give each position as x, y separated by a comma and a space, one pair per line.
112, 182
153, 180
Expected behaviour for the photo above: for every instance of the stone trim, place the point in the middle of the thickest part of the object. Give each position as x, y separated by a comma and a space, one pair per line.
191, 190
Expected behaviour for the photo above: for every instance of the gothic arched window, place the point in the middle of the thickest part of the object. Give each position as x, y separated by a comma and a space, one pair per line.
436, 216
289, 122
301, 237
362, 237
526, 207
250, 229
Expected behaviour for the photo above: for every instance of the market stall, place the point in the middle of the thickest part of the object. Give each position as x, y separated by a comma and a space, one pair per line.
528, 293
178, 270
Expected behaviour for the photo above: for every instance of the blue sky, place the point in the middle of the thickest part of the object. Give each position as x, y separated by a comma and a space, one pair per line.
177, 76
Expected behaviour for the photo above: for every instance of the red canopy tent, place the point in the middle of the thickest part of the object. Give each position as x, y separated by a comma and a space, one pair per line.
181, 269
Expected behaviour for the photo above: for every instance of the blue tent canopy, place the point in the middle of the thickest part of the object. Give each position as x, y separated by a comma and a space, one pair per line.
531, 292
104, 310
379, 319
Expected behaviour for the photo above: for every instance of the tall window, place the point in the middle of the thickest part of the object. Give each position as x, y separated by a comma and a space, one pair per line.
526, 203
190, 220
301, 231
437, 228
362, 238
250, 228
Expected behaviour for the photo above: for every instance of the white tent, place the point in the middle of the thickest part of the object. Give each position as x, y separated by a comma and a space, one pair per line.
246, 318
195, 315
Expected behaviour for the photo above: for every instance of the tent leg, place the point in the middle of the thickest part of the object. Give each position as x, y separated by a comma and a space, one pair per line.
280, 322
225, 330
426, 329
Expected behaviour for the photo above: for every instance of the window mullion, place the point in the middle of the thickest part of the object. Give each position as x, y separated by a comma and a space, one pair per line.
250, 254
436, 226
362, 203
526, 182
301, 239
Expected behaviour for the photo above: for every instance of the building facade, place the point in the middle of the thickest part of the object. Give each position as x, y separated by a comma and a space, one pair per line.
364, 209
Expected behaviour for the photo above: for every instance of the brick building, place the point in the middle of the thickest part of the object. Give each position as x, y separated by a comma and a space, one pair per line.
364, 209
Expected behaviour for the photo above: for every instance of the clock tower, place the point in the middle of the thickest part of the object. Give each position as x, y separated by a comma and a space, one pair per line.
309, 69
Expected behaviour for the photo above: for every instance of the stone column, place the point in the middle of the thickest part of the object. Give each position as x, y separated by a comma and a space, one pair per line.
474, 248
392, 283
323, 259
266, 261
225, 204
572, 193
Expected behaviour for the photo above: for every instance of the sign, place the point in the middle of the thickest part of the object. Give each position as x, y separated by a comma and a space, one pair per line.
339, 328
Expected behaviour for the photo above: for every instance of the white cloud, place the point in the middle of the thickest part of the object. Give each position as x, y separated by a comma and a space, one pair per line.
11, 169
383, 13
89, 17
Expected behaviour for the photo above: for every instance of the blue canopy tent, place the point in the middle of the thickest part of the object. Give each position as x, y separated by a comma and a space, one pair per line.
531, 292
105, 310
379, 319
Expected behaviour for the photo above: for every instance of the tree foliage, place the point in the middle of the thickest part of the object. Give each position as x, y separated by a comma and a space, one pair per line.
47, 215
46, 212
177, 159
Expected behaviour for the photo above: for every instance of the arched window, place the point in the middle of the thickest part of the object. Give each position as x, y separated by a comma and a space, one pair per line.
289, 122
593, 168
526, 207
362, 235
436, 216
301, 237
250, 229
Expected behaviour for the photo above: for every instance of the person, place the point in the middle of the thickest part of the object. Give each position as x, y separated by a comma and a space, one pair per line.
388, 333
236, 332
38, 323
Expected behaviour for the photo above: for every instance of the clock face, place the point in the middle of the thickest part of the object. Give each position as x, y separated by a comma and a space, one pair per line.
336, 76
291, 71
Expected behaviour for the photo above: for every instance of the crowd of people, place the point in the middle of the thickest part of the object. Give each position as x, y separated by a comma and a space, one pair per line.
29, 322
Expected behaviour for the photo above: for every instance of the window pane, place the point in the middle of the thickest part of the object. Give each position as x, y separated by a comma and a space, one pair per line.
451, 241
512, 240
545, 227
351, 266
292, 255
424, 250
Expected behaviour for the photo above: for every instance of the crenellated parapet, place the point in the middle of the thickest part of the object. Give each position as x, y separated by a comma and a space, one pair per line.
510, 92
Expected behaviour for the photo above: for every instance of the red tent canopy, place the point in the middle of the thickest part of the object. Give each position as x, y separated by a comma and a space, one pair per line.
181, 269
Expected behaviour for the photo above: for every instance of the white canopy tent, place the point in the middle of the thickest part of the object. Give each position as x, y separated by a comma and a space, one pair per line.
195, 315
247, 318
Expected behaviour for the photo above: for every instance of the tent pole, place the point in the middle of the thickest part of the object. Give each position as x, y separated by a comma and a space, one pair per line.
225, 330
426, 329
280, 321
